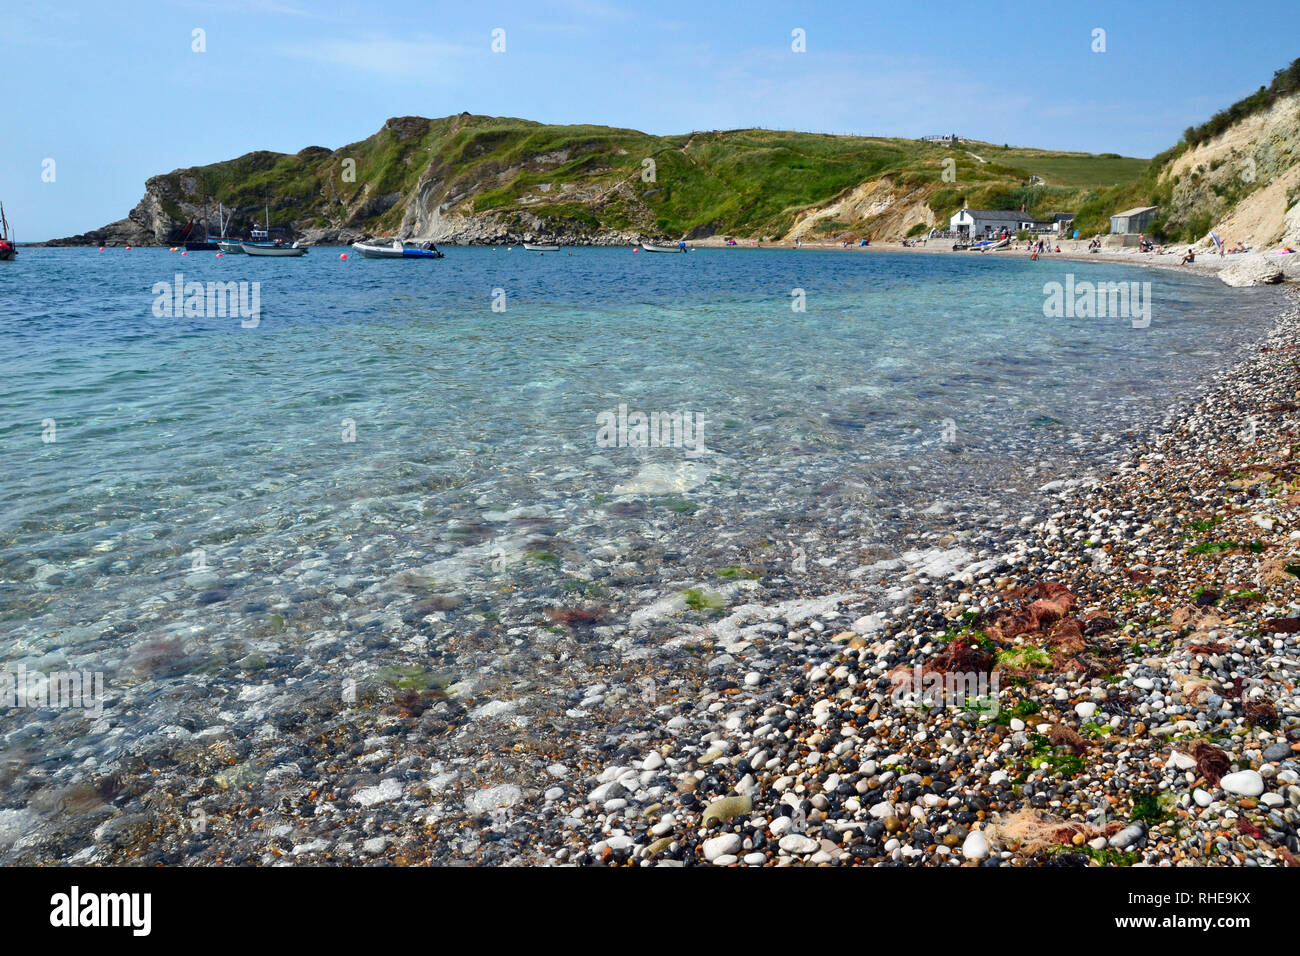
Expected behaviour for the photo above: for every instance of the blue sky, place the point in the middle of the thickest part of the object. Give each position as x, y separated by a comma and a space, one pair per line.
114, 93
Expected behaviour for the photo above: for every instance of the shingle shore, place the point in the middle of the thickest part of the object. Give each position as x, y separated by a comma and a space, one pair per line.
1145, 640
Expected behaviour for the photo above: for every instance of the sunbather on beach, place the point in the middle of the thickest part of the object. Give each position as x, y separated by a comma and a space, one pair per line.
1190, 257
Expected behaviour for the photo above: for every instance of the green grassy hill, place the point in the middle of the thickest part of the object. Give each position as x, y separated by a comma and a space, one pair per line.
482, 178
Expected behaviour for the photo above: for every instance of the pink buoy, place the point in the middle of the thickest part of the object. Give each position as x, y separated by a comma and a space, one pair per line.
343, 255
183, 253
101, 248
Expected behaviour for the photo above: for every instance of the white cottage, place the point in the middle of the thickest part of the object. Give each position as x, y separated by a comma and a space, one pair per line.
985, 222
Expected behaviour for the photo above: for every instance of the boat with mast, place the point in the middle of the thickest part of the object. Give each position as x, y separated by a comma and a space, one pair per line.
256, 237
211, 242
7, 248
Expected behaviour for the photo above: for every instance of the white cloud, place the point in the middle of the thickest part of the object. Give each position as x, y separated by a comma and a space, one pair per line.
385, 56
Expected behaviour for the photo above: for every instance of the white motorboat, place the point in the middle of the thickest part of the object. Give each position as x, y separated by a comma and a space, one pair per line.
280, 249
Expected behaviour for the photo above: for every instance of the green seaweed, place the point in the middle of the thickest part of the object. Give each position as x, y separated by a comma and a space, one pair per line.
410, 678
698, 599
1060, 760
1106, 856
1151, 809
1023, 658
732, 571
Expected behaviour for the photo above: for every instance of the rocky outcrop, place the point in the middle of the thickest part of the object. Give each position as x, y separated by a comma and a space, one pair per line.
150, 223
147, 224
1290, 266
1248, 270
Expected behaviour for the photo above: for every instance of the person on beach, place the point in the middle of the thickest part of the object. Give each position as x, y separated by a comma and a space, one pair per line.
1190, 257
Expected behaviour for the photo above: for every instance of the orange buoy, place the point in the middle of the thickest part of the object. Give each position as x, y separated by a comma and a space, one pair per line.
220, 254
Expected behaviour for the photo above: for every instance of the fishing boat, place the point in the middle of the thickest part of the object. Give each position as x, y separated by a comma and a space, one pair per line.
650, 247
398, 250
7, 248
274, 249
540, 247
265, 237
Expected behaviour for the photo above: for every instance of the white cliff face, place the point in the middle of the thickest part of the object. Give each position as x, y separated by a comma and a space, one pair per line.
1291, 228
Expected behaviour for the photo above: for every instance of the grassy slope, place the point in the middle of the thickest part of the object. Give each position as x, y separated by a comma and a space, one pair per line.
747, 182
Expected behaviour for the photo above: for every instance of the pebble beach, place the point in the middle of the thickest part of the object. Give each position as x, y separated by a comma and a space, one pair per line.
1145, 633
1130, 627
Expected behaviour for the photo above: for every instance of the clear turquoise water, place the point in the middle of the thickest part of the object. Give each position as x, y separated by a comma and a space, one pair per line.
475, 450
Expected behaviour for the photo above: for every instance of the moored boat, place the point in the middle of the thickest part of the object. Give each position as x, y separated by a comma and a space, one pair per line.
7, 248
651, 247
397, 250
264, 238
274, 249
540, 247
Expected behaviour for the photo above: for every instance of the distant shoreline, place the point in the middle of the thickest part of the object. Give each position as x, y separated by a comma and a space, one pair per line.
1071, 249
